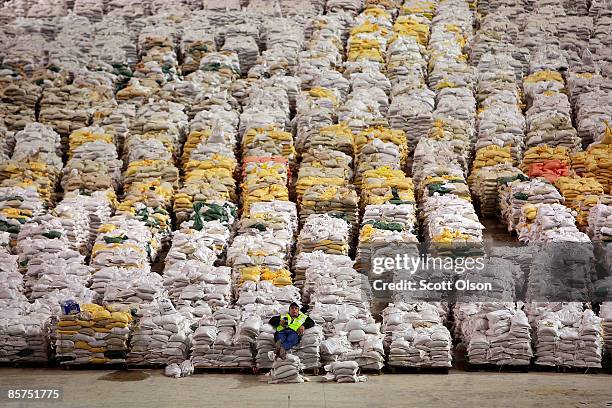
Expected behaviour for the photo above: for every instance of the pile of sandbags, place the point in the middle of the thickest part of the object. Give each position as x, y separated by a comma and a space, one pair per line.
286, 370
548, 116
215, 342
18, 102
264, 179
160, 335
555, 223
580, 194
24, 331
514, 194
324, 233
569, 337
192, 284
600, 220
17, 206
486, 182
94, 335
344, 372
415, 336
494, 333
92, 161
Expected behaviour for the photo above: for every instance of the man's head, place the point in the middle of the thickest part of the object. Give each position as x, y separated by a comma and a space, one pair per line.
294, 309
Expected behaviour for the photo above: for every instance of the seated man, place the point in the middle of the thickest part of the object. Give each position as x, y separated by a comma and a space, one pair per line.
289, 329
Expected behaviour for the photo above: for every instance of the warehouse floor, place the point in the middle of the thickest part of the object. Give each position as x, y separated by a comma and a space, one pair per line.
458, 389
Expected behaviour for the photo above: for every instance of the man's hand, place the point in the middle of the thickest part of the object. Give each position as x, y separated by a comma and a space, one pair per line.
283, 322
301, 330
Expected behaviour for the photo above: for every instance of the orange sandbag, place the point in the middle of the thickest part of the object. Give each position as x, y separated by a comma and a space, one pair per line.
551, 170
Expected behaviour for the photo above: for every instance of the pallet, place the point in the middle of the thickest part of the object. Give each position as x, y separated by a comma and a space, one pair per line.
566, 369
370, 371
225, 370
496, 368
146, 366
77, 366
27, 364
418, 370
312, 371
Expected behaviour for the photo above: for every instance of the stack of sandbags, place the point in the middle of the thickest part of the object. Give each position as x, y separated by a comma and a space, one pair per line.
191, 284
385, 185
555, 223
385, 227
325, 233
92, 161
597, 161
158, 59
378, 147
494, 333
600, 220
67, 108
580, 193
286, 370
98, 206
215, 342
264, 179
244, 46
36, 160
569, 337
549, 114
196, 42
160, 335
24, 332
18, 102
17, 206
485, 183
451, 225
344, 372
209, 176
415, 336
514, 194
593, 110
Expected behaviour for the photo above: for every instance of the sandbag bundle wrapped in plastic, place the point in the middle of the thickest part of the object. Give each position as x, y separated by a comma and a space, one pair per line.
245, 47
160, 335
157, 45
516, 193
315, 111
569, 337
597, 161
485, 184
268, 142
494, 333
92, 161
95, 335
215, 342
415, 336
593, 111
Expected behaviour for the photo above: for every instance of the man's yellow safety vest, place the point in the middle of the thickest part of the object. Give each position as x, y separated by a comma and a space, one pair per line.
293, 324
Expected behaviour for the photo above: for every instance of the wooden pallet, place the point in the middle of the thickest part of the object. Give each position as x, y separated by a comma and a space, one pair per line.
27, 364
370, 371
491, 368
87, 366
418, 370
566, 369
146, 366
225, 370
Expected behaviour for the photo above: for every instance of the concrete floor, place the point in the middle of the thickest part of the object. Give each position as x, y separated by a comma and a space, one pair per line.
149, 388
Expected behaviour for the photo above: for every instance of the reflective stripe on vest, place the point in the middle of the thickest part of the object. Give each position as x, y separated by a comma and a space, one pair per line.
293, 324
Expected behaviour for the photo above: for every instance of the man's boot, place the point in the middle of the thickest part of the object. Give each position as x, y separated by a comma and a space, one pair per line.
278, 346
283, 352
